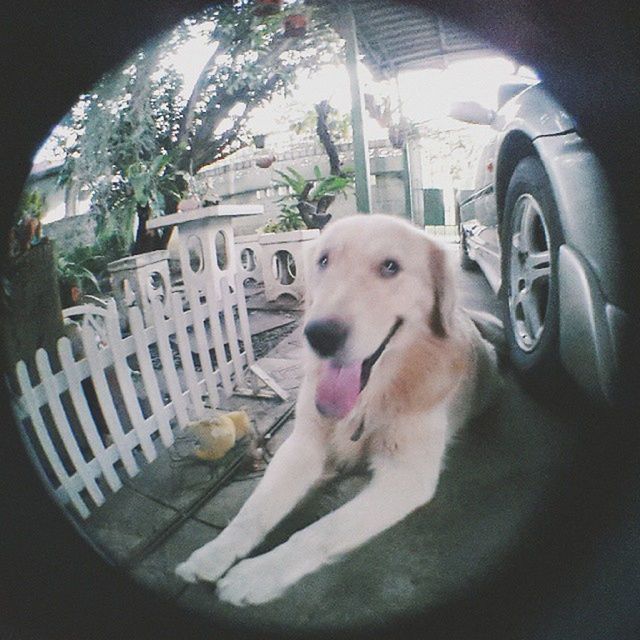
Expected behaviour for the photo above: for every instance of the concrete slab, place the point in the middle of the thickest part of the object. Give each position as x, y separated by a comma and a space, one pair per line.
223, 507
156, 571
176, 478
285, 371
280, 436
261, 321
291, 346
283, 303
125, 522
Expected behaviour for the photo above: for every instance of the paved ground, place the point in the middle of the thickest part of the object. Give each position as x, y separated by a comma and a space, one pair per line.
499, 471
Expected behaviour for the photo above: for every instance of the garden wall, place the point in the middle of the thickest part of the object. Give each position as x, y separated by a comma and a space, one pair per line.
72, 232
241, 182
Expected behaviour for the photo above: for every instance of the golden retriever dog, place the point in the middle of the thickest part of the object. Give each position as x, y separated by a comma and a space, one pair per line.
394, 369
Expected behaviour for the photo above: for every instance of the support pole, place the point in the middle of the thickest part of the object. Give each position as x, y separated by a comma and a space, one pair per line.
360, 144
407, 162
408, 187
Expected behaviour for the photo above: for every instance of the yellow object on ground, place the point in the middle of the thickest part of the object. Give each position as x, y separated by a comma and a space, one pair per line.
216, 436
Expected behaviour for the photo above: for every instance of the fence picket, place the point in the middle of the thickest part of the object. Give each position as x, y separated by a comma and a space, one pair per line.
203, 346
184, 349
61, 423
103, 391
81, 406
218, 339
243, 317
33, 410
168, 364
230, 326
148, 376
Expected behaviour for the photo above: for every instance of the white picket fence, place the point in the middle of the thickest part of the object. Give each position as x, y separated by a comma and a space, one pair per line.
103, 413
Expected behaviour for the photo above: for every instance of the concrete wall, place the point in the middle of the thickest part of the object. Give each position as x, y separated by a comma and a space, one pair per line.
69, 233
242, 182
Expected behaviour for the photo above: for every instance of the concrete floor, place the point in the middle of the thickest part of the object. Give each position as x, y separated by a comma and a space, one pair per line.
498, 473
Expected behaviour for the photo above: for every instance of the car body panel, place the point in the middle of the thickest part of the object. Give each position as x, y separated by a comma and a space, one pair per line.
591, 328
590, 263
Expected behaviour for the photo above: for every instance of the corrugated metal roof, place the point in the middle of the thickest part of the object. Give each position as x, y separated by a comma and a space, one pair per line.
396, 37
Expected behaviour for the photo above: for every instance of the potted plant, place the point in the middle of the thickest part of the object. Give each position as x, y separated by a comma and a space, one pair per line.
312, 198
295, 26
303, 212
259, 140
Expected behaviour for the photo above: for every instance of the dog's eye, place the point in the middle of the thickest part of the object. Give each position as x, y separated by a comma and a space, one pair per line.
389, 268
323, 261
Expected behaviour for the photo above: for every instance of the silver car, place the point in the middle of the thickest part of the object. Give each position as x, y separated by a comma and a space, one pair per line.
540, 224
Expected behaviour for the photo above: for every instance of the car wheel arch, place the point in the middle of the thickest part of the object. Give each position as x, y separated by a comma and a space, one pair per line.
515, 147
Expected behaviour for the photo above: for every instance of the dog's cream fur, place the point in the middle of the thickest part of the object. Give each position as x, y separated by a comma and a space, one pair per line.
435, 371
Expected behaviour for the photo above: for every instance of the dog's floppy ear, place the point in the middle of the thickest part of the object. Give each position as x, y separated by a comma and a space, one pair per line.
443, 278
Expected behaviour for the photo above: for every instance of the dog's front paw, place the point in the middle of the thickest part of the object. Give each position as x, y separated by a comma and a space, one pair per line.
253, 581
207, 563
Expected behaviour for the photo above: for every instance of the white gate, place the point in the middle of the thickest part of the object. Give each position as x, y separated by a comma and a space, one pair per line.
100, 415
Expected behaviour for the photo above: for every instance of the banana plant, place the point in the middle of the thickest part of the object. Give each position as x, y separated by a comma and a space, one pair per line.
153, 182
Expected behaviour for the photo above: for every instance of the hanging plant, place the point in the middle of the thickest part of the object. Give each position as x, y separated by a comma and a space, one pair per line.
267, 7
295, 26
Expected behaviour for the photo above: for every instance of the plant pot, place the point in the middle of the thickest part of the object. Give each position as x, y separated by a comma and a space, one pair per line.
295, 26
259, 141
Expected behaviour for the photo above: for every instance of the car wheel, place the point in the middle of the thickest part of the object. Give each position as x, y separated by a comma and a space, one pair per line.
530, 237
466, 262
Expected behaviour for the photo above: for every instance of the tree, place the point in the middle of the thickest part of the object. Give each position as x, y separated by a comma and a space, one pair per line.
136, 138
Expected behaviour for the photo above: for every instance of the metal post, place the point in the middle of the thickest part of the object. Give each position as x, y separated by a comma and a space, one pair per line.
408, 187
360, 145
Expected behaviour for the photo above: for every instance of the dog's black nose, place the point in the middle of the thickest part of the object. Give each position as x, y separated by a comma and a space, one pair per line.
326, 337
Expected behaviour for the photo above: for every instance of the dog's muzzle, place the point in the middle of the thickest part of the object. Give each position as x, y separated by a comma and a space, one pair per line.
339, 384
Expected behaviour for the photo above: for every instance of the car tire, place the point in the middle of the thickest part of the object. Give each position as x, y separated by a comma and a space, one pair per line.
467, 263
530, 237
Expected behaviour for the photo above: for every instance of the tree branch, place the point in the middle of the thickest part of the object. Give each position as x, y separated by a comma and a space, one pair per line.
322, 129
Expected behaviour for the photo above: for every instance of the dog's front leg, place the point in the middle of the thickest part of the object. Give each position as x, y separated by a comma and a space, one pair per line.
295, 468
400, 484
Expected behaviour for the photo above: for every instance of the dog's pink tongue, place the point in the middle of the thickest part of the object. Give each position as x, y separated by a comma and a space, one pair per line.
338, 389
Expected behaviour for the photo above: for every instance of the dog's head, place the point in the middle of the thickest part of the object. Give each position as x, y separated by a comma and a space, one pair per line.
370, 278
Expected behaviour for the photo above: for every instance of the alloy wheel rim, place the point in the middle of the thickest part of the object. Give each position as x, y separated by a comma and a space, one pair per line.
530, 273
